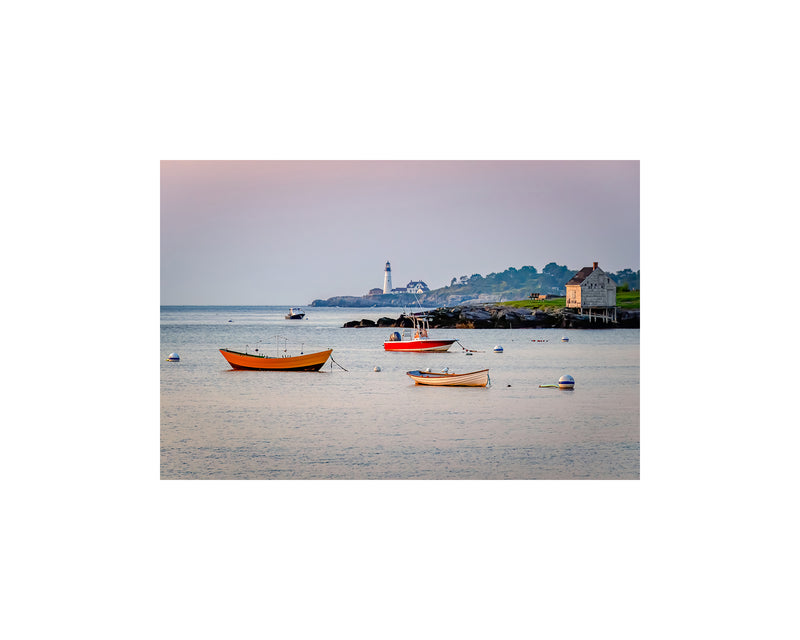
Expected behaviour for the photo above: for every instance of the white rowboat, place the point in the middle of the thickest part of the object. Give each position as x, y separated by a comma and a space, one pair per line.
472, 379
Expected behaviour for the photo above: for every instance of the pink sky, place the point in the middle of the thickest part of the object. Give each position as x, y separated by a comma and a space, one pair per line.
287, 232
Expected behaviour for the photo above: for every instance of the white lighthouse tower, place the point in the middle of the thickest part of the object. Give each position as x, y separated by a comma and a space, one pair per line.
387, 278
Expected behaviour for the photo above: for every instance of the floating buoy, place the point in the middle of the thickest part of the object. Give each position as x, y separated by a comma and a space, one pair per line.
564, 339
427, 369
446, 369
566, 382
173, 357
377, 369
498, 349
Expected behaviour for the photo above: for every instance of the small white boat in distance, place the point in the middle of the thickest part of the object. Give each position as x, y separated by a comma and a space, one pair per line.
472, 379
295, 314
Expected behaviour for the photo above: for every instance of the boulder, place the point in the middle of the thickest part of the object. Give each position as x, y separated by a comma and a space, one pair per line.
473, 313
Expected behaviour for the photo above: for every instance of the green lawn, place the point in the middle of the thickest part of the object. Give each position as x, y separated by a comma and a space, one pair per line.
628, 299
554, 303
625, 300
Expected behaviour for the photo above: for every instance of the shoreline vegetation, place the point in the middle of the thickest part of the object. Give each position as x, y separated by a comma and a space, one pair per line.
510, 285
519, 314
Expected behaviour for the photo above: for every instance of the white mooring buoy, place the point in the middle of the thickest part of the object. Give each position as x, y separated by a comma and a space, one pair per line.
498, 349
173, 357
566, 382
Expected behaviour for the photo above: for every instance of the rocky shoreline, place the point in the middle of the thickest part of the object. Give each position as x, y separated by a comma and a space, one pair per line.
500, 317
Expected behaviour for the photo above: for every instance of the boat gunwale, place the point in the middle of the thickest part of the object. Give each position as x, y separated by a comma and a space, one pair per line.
258, 355
438, 374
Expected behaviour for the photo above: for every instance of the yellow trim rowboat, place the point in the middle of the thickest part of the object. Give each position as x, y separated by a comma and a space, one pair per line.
472, 379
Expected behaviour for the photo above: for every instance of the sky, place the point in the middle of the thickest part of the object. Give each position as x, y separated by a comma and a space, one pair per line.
288, 232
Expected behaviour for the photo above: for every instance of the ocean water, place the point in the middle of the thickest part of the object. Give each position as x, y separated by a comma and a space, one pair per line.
217, 423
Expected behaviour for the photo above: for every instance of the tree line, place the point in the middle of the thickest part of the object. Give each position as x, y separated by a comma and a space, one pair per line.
527, 280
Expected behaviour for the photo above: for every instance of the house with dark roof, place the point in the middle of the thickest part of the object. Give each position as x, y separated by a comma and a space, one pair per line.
417, 286
592, 290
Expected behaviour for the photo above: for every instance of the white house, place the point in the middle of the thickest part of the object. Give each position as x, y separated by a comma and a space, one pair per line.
592, 289
417, 286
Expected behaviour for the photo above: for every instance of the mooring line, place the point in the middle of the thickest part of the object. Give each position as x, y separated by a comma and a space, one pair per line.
470, 350
338, 365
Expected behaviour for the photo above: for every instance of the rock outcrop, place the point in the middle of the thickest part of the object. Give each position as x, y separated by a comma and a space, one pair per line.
500, 317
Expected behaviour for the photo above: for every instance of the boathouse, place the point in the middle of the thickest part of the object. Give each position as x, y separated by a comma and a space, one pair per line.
593, 292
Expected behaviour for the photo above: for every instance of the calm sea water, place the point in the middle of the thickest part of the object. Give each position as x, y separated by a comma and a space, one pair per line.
217, 423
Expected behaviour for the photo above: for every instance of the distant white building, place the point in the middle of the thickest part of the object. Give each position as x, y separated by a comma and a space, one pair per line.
417, 286
387, 278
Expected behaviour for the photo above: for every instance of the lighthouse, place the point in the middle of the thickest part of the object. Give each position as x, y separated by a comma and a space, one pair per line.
387, 278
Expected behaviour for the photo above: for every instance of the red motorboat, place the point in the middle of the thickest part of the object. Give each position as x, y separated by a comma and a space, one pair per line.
418, 341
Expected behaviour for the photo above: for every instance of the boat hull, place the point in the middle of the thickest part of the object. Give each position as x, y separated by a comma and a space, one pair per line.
417, 345
472, 379
307, 362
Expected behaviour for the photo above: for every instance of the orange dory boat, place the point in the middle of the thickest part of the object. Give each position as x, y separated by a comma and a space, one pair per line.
256, 362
